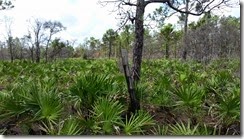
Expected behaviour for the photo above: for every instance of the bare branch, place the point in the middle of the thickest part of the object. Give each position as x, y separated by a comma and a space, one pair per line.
155, 1
129, 3
204, 9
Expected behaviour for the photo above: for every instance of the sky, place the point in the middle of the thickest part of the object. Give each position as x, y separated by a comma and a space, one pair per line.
83, 18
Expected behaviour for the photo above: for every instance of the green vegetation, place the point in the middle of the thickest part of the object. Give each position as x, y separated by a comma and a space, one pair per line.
89, 97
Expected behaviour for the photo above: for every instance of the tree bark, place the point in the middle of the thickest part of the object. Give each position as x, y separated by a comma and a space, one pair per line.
10, 45
139, 37
185, 47
110, 49
137, 54
32, 53
134, 104
46, 53
167, 50
37, 52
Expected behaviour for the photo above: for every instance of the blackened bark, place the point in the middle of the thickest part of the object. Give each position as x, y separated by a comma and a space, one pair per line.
134, 103
137, 55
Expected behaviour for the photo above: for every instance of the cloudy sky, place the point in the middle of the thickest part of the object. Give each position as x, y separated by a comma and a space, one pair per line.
83, 18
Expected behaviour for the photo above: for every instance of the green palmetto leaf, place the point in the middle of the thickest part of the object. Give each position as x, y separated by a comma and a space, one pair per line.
70, 126
161, 95
91, 86
10, 108
189, 96
107, 113
182, 129
37, 100
229, 108
50, 107
160, 130
137, 122
11, 105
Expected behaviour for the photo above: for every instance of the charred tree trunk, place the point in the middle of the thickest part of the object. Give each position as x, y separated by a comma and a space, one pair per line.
137, 53
134, 104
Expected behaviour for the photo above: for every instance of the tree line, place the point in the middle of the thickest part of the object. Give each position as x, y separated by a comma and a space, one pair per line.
209, 38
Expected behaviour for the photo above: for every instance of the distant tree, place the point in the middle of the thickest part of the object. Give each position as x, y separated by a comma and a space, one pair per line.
85, 50
229, 37
110, 39
9, 37
37, 35
126, 37
214, 37
159, 15
3, 50
25, 44
93, 43
149, 46
52, 27
40, 34
30, 45
57, 45
167, 34
17, 48
176, 40
79, 51
66, 52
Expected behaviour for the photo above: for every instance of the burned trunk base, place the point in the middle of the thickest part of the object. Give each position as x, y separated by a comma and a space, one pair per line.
134, 102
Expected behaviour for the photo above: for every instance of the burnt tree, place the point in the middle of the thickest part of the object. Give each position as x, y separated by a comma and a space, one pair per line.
136, 15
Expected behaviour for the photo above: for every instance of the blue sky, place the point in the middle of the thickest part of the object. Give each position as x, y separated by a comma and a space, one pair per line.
82, 18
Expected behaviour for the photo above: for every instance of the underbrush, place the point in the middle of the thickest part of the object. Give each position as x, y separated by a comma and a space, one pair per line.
89, 97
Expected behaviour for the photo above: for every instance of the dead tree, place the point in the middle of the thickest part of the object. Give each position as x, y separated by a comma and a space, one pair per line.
9, 37
133, 10
37, 34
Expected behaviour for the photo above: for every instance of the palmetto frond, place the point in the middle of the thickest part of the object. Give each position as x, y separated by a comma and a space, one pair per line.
107, 113
89, 87
137, 122
189, 96
183, 129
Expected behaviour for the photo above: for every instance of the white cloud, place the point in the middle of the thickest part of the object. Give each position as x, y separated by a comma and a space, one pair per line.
82, 18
